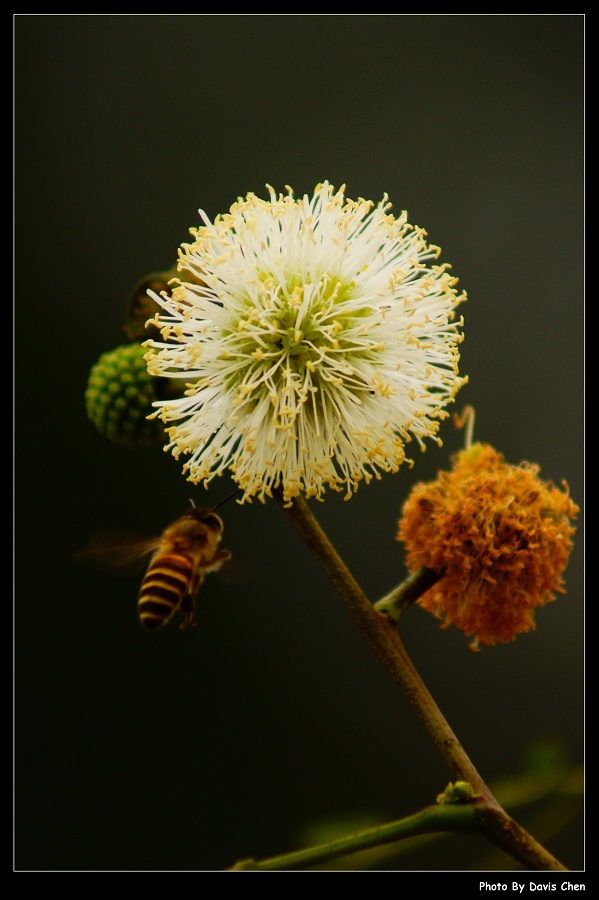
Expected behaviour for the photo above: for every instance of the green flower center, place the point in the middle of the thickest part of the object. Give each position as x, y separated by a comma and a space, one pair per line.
295, 326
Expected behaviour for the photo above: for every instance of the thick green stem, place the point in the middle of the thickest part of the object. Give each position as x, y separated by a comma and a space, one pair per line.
431, 820
380, 632
445, 818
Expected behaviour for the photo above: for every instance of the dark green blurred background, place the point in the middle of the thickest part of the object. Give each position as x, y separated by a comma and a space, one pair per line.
189, 750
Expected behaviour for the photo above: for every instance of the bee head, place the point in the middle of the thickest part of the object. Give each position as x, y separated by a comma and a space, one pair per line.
207, 517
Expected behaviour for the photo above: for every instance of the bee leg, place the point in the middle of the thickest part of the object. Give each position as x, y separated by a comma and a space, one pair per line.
187, 609
218, 559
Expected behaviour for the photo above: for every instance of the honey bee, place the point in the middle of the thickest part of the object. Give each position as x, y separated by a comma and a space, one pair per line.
181, 557
186, 551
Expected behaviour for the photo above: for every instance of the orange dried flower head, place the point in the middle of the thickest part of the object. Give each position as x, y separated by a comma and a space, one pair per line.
499, 534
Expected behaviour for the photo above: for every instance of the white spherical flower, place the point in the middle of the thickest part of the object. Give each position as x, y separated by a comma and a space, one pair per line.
317, 338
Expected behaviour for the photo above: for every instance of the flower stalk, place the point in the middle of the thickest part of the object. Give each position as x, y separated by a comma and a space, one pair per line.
398, 601
433, 819
381, 634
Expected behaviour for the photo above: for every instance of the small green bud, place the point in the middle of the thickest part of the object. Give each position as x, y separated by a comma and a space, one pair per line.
119, 397
460, 792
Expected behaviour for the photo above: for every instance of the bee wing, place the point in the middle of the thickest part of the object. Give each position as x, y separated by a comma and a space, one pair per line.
116, 549
236, 571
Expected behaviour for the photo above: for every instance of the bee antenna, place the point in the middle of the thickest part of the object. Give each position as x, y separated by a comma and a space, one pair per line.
193, 503
228, 497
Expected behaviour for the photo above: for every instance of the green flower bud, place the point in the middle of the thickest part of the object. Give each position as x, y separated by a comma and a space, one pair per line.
119, 397
458, 792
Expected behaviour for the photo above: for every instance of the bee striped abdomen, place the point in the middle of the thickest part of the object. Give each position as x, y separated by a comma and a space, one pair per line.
168, 579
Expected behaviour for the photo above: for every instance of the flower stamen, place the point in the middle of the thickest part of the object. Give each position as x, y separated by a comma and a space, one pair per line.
317, 339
